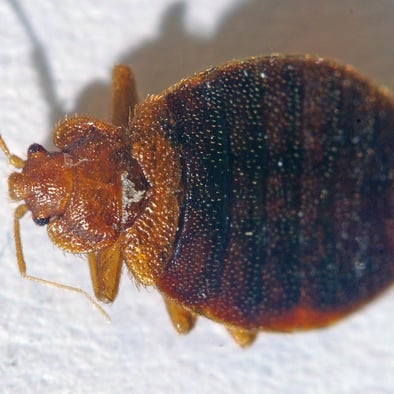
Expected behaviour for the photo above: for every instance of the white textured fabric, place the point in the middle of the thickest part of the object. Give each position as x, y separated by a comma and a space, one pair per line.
52, 341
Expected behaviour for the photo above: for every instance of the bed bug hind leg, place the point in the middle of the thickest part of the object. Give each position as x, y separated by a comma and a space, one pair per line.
20, 211
243, 337
182, 319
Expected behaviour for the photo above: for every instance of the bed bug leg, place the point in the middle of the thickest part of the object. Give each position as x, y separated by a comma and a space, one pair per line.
243, 337
105, 269
182, 319
124, 95
105, 265
20, 211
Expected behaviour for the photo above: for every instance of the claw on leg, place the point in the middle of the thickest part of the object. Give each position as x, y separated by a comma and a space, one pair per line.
243, 337
182, 319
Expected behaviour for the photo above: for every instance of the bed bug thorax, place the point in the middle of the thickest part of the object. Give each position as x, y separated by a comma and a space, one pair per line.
244, 194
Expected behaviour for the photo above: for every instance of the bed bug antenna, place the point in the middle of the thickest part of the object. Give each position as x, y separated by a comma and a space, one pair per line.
13, 160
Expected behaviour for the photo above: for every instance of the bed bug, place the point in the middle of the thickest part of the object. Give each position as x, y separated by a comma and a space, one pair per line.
259, 194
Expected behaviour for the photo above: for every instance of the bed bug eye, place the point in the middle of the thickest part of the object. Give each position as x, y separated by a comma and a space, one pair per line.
35, 148
41, 221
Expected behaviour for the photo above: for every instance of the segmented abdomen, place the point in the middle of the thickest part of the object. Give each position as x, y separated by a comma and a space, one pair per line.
288, 174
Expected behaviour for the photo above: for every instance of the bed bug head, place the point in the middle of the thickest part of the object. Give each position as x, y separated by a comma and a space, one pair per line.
44, 182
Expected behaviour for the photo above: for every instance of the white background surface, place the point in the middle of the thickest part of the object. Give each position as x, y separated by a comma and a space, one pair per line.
54, 342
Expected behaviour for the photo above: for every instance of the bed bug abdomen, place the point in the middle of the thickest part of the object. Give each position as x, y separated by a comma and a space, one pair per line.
288, 170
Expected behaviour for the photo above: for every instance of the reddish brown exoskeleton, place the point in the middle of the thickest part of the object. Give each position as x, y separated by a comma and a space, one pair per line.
259, 194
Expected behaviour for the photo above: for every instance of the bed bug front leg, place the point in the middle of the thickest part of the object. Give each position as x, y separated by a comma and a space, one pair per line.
124, 95
105, 270
105, 265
